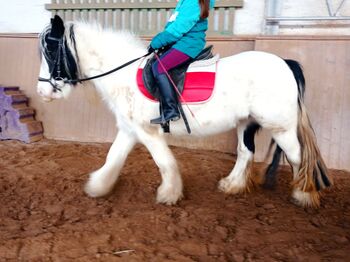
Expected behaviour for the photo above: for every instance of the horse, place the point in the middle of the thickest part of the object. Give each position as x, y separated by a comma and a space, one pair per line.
253, 90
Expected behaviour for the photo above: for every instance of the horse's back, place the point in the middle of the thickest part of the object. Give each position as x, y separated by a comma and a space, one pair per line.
262, 70
261, 82
256, 62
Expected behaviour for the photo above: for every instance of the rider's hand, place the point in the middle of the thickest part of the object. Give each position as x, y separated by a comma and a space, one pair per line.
150, 49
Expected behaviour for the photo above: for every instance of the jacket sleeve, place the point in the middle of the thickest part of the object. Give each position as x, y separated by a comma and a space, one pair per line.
162, 39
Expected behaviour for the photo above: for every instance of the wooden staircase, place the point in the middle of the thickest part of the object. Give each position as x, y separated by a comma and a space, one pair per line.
17, 118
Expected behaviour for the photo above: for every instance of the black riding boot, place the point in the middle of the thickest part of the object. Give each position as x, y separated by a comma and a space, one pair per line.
169, 107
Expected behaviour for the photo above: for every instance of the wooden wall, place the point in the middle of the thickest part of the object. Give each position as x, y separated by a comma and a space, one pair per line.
83, 117
326, 63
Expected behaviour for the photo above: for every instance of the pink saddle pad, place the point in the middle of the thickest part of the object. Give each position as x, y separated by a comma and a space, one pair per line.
198, 84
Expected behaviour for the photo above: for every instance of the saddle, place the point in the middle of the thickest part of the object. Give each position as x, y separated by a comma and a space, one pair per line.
177, 74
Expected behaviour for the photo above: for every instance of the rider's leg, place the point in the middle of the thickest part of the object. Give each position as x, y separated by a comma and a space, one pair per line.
169, 60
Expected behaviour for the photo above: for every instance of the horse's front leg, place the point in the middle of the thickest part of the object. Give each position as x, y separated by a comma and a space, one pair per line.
170, 190
102, 180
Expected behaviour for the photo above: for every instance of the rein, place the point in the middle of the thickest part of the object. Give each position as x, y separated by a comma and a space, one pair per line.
74, 81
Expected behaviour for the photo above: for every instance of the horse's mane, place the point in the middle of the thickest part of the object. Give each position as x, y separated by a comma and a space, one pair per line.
107, 37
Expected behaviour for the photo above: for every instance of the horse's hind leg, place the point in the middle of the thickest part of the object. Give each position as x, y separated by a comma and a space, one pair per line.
102, 180
170, 190
240, 178
270, 175
289, 143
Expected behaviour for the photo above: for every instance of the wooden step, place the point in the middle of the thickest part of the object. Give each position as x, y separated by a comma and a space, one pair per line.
35, 138
13, 92
17, 99
17, 118
19, 106
34, 127
9, 88
27, 119
25, 112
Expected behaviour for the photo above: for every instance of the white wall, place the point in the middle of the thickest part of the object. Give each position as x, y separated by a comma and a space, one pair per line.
30, 16
315, 8
23, 16
250, 19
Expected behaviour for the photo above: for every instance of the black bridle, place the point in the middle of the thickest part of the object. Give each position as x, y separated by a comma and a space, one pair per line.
56, 74
55, 65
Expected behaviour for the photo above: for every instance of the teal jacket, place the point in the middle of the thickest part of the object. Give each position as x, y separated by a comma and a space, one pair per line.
185, 30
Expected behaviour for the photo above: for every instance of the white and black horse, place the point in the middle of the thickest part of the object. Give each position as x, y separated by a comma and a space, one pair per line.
253, 90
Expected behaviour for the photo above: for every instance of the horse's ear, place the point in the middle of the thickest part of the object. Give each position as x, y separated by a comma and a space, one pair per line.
57, 27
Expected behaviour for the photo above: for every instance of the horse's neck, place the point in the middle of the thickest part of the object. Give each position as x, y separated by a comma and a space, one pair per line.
100, 51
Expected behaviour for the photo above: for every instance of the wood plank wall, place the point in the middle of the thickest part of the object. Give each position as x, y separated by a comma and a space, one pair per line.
83, 117
326, 63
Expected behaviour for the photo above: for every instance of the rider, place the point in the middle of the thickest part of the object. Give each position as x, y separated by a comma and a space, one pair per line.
185, 35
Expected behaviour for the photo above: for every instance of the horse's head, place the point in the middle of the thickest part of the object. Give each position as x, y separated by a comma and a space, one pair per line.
58, 64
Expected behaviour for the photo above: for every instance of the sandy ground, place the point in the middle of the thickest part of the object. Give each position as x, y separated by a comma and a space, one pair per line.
46, 216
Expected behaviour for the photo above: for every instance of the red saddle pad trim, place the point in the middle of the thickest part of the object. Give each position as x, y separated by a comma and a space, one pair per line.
198, 86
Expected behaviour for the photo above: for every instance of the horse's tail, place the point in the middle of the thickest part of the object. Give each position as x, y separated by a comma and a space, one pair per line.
297, 70
313, 173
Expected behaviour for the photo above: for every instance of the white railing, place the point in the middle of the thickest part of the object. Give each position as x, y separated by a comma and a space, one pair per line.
143, 17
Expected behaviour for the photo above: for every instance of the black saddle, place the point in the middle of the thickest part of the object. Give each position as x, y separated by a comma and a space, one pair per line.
177, 74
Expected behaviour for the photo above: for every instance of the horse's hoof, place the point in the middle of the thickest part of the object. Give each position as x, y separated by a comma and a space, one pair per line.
229, 187
169, 195
306, 199
95, 188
